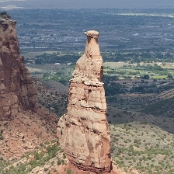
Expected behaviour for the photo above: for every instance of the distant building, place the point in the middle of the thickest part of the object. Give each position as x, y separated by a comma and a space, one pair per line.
70, 63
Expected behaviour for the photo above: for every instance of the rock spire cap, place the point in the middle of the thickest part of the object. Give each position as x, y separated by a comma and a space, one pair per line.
92, 33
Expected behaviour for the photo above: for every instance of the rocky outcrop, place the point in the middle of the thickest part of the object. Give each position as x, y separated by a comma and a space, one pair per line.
24, 124
84, 132
16, 88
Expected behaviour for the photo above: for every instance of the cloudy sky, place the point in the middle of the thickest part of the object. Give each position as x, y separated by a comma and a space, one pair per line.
88, 3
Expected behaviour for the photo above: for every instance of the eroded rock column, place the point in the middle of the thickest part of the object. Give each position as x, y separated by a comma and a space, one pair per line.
84, 132
16, 86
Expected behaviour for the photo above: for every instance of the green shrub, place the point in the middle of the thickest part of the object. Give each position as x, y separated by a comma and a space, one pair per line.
69, 171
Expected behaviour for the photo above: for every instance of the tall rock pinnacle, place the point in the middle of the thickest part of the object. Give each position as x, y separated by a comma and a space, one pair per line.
16, 87
84, 132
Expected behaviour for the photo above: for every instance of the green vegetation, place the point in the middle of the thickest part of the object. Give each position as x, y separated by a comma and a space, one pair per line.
139, 70
3, 164
69, 171
114, 71
47, 152
142, 79
61, 75
130, 86
147, 56
142, 147
111, 87
159, 108
56, 58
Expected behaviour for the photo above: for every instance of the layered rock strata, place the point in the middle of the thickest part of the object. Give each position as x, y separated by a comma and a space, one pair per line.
24, 124
84, 132
16, 88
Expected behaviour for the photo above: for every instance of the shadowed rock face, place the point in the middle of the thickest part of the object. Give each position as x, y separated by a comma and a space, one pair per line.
16, 88
84, 132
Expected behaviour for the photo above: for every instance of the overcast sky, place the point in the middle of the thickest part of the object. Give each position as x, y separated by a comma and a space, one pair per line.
88, 3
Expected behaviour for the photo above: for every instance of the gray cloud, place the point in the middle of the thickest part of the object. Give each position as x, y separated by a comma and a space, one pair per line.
11, 0
92, 3
10, 7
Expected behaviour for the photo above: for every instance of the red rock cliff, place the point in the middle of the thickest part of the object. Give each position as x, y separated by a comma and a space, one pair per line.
84, 132
16, 87
23, 129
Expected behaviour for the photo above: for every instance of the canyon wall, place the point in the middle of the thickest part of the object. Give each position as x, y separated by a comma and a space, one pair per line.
16, 88
24, 123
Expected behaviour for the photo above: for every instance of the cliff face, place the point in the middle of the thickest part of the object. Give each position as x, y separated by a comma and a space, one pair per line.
84, 132
16, 88
22, 129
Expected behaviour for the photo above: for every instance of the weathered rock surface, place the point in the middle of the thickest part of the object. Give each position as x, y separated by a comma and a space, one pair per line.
84, 132
16, 88
26, 131
24, 124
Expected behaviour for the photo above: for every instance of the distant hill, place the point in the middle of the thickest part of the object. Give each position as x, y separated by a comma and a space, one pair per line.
161, 108
51, 95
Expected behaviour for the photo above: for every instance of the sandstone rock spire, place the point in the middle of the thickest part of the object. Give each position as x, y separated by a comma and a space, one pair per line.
84, 132
16, 87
